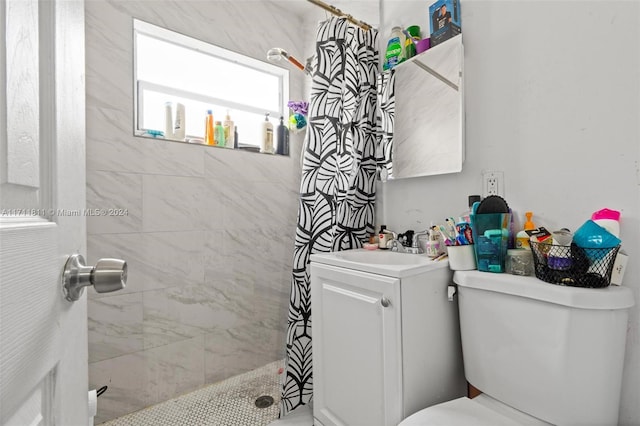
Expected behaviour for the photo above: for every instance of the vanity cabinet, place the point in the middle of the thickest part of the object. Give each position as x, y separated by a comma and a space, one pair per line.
384, 346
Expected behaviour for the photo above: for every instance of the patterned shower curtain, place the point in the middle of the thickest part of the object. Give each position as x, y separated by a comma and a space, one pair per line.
337, 191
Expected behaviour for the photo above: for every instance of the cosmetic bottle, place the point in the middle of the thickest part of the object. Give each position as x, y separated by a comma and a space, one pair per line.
208, 129
266, 144
219, 134
229, 131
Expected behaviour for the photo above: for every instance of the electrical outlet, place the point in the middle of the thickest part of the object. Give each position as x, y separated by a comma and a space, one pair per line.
492, 183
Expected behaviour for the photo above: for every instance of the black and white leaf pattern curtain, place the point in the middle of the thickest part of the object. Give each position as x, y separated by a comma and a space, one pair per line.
337, 191
386, 118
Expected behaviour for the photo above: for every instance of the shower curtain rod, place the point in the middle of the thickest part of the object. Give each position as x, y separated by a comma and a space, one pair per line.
338, 12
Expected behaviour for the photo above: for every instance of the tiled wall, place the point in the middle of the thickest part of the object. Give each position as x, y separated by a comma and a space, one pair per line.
209, 232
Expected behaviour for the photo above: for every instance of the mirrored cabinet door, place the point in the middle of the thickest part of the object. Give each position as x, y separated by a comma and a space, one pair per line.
423, 113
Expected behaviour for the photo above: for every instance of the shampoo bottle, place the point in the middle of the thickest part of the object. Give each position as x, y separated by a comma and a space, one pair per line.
229, 131
266, 144
219, 134
283, 138
179, 124
168, 120
208, 129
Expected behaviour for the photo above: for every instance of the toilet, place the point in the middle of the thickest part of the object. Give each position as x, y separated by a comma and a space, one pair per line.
541, 353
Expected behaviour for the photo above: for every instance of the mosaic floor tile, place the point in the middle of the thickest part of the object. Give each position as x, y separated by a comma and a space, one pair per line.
230, 402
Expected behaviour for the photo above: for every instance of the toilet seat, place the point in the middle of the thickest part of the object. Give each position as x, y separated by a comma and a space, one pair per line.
479, 411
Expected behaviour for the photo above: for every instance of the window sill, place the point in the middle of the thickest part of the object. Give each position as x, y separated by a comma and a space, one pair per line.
198, 142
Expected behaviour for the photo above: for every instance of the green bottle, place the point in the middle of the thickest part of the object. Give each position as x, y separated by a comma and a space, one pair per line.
219, 134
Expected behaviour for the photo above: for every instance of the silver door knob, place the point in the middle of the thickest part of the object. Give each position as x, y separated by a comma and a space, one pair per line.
108, 275
385, 302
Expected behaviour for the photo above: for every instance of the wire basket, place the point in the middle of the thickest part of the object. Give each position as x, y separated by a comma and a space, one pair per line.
572, 265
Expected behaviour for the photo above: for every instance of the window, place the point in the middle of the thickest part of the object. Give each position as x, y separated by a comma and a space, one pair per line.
171, 67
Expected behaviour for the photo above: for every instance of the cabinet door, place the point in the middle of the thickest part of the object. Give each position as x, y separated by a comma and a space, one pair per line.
356, 347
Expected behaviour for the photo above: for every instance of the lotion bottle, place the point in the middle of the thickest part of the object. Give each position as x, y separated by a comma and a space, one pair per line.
266, 144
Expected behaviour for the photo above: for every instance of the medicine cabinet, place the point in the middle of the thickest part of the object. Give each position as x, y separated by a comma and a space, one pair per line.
423, 108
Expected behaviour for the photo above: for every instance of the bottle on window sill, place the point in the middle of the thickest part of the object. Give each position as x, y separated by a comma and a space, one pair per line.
266, 144
209, 138
229, 131
219, 134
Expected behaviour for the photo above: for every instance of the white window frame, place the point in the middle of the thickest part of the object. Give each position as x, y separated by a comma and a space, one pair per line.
163, 34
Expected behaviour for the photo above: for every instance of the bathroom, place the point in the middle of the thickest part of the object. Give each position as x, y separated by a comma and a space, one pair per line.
552, 99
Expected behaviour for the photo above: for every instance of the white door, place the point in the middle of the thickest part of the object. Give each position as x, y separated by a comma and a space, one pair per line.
43, 337
357, 372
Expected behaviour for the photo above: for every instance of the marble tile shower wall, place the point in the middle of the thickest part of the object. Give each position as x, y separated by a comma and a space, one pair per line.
209, 232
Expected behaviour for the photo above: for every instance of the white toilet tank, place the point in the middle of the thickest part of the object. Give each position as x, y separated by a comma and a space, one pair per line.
553, 352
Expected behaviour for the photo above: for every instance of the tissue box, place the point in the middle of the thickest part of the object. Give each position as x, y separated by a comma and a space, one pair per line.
444, 18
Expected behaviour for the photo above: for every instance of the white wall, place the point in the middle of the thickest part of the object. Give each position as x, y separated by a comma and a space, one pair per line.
209, 231
553, 100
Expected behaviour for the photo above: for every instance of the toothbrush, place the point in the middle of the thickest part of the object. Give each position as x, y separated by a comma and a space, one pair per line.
448, 241
452, 226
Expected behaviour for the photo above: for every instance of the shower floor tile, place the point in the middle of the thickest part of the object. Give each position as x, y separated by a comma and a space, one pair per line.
228, 403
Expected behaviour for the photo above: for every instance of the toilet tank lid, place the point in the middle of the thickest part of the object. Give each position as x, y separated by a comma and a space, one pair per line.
612, 297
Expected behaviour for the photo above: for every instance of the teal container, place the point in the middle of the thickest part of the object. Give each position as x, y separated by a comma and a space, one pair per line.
491, 240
